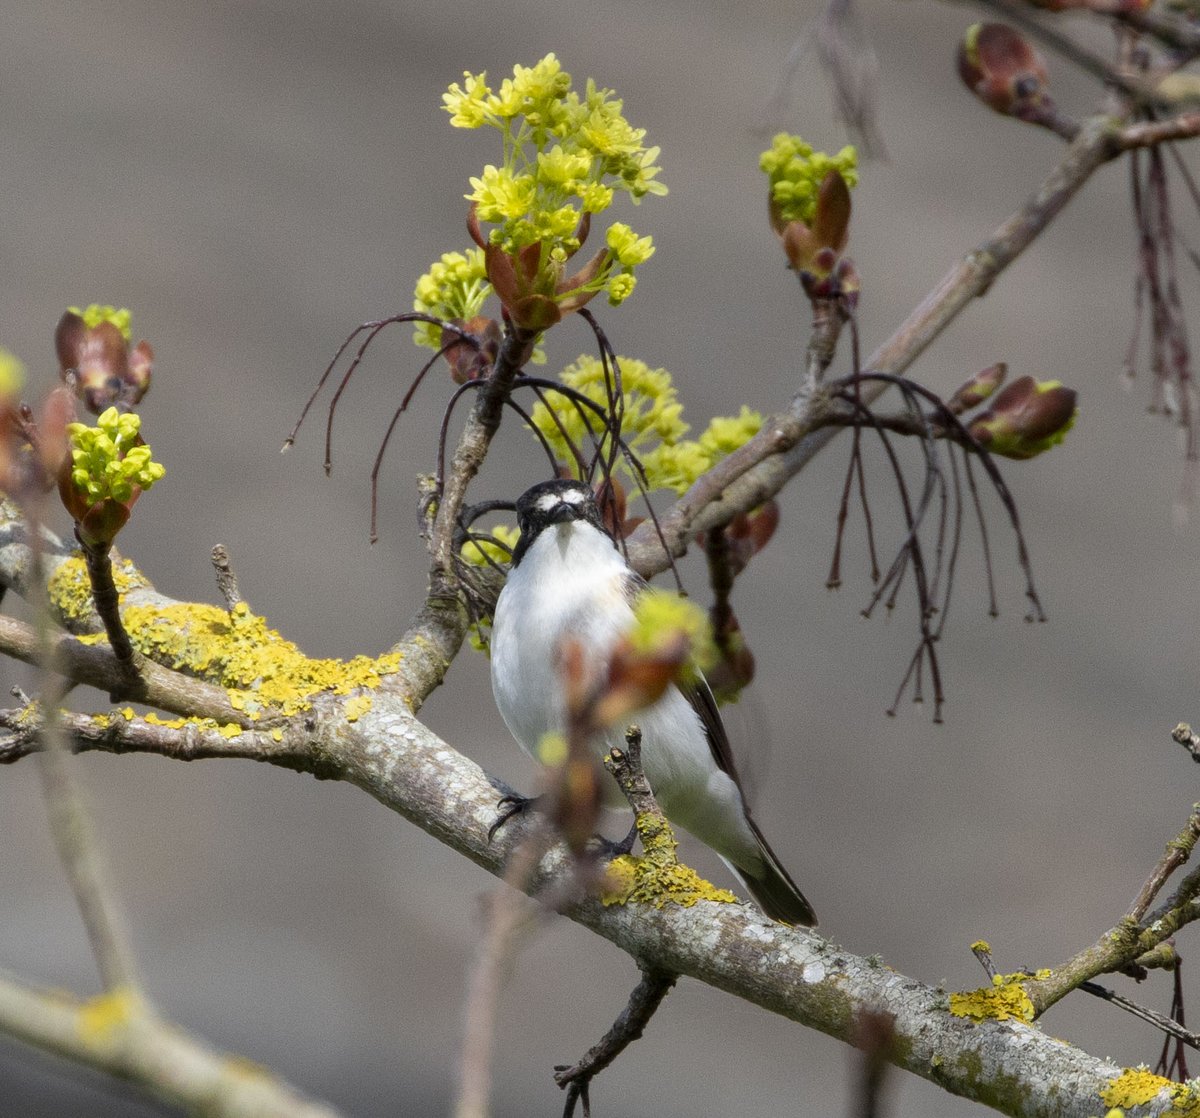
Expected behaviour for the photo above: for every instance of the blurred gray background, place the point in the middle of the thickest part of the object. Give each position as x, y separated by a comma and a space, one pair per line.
255, 178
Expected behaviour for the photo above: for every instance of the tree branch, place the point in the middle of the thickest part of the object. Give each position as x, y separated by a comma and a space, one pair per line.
96, 666
793, 972
790, 439
120, 1035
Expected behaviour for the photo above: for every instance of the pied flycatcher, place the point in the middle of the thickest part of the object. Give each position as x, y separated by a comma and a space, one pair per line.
567, 577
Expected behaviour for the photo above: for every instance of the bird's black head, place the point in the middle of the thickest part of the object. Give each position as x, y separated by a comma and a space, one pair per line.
561, 501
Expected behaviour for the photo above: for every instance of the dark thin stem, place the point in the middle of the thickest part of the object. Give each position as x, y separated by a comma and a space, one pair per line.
444, 430
337, 394
963, 435
387, 435
480, 428
910, 550
834, 578
629, 1026
1150, 1016
373, 326
540, 387
613, 390
985, 541
512, 405
107, 601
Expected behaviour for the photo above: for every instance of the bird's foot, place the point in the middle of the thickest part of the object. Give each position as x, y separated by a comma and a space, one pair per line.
510, 806
608, 850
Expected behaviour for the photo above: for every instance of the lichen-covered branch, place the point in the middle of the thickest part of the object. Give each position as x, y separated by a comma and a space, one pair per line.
119, 1034
96, 666
1140, 934
391, 755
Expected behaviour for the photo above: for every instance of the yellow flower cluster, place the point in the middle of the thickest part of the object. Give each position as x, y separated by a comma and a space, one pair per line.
795, 172
652, 423
106, 460
677, 465
566, 155
454, 287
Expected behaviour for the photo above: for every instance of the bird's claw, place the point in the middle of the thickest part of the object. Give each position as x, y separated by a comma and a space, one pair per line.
509, 806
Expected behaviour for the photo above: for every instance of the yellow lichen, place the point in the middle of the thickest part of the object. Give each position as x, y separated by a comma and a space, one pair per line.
263, 672
260, 669
109, 1012
1137, 1086
1005, 999
70, 589
169, 723
981, 945
631, 878
657, 878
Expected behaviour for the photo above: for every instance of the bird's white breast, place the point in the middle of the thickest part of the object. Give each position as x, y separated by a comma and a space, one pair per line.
570, 582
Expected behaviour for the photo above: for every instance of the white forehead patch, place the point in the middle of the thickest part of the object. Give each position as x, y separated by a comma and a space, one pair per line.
547, 501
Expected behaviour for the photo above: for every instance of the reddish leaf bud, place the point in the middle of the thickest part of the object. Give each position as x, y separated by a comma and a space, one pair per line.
137, 378
98, 365
1026, 418
467, 361
1002, 69
973, 393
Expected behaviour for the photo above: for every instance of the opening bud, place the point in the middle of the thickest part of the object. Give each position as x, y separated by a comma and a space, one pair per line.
1003, 70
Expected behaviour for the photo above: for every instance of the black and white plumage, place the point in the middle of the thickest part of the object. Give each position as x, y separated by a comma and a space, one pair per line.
568, 577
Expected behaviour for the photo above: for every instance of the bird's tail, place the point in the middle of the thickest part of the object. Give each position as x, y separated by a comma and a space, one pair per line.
771, 887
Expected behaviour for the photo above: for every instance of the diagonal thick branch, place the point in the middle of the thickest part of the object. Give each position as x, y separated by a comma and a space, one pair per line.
790, 439
392, 756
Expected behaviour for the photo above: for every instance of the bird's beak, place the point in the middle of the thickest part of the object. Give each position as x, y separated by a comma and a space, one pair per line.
563, 513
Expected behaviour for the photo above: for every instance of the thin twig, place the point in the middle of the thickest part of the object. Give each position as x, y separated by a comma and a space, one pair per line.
227, 583
509, 914
1158, 1020
71, 825
789, 440
1178, 851
629, 1026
